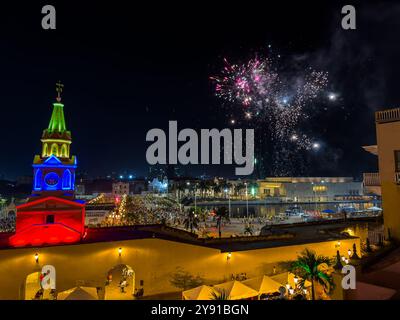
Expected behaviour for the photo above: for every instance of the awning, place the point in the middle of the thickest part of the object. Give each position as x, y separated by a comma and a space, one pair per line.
263, 285
78, 293
199, 293
236, 290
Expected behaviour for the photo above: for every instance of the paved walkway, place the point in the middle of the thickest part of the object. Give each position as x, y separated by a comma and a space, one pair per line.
384, 274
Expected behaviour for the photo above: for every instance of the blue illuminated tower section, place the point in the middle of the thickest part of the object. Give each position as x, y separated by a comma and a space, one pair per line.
54, 169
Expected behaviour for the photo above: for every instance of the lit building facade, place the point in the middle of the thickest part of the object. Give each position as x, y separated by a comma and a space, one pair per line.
120, 188
388, 151
309, 189
52, 215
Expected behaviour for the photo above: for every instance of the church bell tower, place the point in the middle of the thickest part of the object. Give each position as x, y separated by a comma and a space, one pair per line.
54, 169
52, 215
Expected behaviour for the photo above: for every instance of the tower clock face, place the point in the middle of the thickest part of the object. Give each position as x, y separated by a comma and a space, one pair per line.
51, 179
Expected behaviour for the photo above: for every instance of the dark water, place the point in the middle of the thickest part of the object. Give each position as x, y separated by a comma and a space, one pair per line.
267, 210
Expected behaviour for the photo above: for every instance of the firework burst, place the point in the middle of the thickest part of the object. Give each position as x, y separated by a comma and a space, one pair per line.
275, 103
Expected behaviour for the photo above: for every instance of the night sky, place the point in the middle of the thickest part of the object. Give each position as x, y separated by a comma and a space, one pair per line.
127, 69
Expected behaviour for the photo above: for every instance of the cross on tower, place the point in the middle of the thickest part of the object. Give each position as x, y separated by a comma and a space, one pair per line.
59, 89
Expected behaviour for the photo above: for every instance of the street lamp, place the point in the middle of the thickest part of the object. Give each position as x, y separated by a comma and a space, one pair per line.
349, 252
247, 201
119, 251
228, 256
296, 280
229, 201
37, 257
195, 203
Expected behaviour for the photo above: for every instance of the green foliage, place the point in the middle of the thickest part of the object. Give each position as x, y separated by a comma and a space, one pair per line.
221, 214
313, 268
219, 295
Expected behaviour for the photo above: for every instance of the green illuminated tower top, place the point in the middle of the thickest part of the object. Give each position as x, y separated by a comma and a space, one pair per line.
57, 121
56, 138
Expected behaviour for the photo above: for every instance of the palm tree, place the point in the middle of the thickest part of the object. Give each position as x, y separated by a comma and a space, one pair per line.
180, 187
248, 230
219, 295
202, 214
191, 220
313, 268
217, 189
227, 187
203, 187
221, 214
239, 187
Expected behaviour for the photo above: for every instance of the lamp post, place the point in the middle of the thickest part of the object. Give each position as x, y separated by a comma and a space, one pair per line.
247, 201
195, 199
227, 191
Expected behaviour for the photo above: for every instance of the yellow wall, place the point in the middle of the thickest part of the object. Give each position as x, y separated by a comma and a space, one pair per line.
388, 140
153, 261
271, 186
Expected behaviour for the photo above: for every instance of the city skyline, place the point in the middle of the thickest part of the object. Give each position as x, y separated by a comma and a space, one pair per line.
177, 155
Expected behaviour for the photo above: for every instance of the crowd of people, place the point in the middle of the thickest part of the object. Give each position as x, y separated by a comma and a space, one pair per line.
7, 224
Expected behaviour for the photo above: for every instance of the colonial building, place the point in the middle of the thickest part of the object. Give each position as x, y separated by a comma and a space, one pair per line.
388, 151
52, 215
120, 188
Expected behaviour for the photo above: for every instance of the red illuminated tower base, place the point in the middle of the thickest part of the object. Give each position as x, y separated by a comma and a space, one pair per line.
48, 221
52, 215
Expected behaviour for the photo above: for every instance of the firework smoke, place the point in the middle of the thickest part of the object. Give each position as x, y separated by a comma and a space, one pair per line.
275, 103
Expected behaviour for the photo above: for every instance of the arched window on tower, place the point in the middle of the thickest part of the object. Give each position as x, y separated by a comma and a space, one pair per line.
37, 184
67, 180
45, 150
64, 152
54, 149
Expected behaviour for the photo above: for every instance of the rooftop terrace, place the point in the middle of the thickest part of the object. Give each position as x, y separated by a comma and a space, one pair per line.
389, 115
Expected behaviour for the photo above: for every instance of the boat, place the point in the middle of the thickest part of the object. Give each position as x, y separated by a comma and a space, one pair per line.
348, 209
294, 212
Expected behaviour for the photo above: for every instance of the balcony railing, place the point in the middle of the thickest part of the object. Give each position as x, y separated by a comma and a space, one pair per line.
397, 177
371, 179
388, 115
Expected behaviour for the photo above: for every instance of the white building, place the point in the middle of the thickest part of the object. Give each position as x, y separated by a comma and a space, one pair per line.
310, 189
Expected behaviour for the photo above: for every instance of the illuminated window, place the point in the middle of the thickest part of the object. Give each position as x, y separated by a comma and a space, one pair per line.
45, 150
54, 149
67, 180
38, 179
64, 152
320, 188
